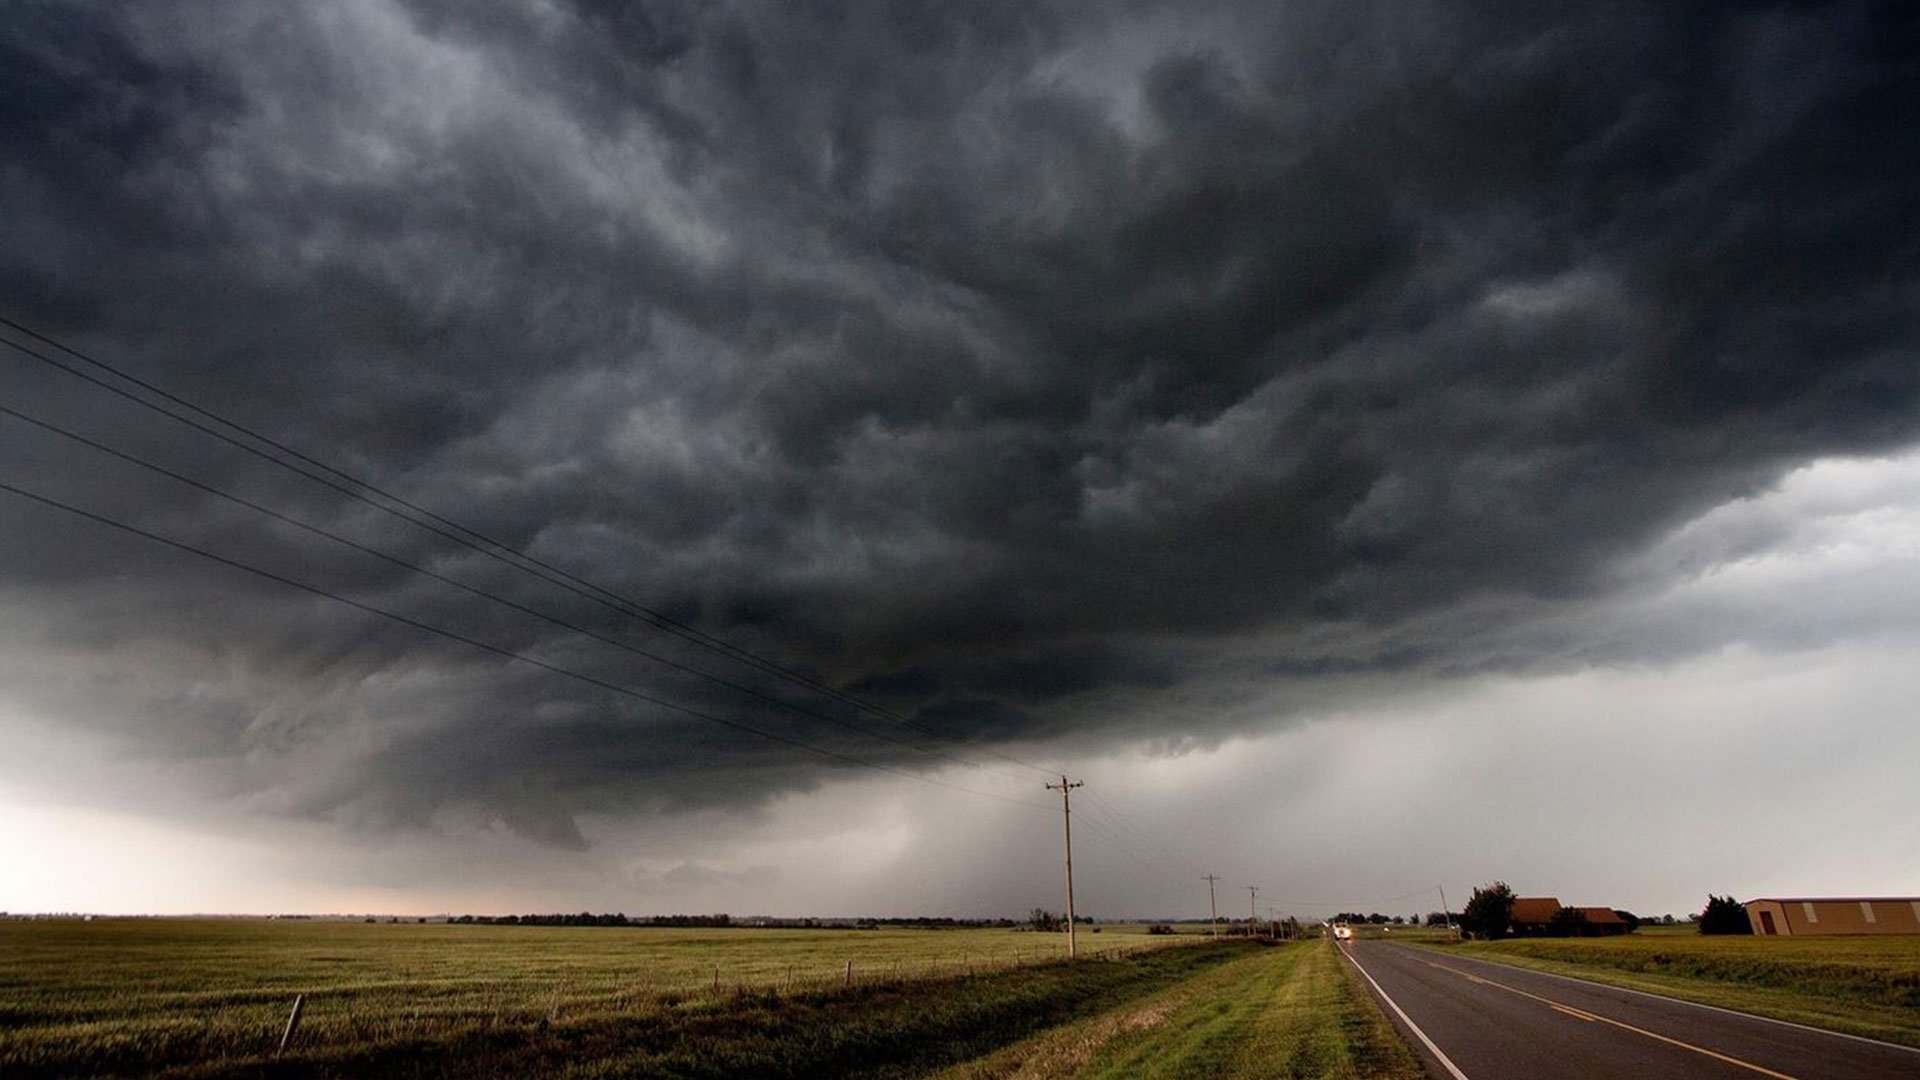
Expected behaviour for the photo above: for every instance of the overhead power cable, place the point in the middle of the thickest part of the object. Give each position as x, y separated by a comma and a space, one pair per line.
395, 560
505, 653
1094, 825
405, 509
1129, 839
1139, 858
1356, 904
1098, 828
1126, 825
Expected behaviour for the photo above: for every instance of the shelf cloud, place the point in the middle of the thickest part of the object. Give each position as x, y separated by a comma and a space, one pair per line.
1057, 381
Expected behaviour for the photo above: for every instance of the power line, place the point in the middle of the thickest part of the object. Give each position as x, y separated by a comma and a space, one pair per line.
1343, 904
395, 560
1108, 834
1122, 845
496, 650
1122, 833
1121, 821
441, 526
1111, 835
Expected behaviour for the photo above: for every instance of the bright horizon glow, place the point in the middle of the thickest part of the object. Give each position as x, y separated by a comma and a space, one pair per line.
1641, 787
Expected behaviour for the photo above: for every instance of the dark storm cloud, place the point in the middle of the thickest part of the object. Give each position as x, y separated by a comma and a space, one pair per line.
995, 360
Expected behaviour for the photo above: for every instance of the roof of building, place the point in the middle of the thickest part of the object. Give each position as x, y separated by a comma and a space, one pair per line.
1535, 909
1835, 900
1602, 916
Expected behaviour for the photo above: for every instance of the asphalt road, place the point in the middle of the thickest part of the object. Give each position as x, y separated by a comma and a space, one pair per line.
1474, 1020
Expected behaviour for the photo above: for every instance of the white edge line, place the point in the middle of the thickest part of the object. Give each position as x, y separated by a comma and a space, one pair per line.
1404, 1018
1694, 1004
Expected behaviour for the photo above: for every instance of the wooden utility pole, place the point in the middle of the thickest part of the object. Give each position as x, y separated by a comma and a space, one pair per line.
1444, 909
1212, 906
1253, 916
1066, 822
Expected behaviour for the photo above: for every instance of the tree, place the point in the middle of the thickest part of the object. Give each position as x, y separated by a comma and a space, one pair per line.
1725, 915
1567, 922
1489, 911
1042, 919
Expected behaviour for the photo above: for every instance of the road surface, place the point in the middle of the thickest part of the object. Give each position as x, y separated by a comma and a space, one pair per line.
1474, 1020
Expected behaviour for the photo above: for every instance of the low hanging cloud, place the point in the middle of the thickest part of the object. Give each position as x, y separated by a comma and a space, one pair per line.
1019, 368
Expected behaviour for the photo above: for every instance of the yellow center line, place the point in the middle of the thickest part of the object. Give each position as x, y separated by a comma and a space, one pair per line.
1577, 1014
1584, 1015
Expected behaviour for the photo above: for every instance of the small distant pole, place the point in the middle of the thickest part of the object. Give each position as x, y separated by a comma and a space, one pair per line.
848, 978
293, 1023
1444, 909
1212, 906
1253, 915
1066, 821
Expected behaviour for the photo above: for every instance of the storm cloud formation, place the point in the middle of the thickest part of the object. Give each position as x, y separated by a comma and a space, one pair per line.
1021, 368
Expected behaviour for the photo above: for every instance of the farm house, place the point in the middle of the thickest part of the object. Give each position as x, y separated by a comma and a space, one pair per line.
1535, 915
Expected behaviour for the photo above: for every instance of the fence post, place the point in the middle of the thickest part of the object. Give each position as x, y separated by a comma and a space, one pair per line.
849, 976
293, 1022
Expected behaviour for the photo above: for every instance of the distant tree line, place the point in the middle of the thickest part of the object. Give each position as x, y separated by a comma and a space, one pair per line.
587, 918
927, 922
1354, 918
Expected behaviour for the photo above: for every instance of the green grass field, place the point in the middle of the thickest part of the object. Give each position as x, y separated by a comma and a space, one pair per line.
131, 997
1863, 985
1291, 1011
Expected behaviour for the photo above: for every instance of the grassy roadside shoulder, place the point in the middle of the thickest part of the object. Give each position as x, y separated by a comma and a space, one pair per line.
1869, 988
1290, 1011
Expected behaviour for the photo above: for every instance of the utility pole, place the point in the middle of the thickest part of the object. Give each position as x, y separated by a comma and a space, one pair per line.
1444, 909
1253, 916
1212, 906
1066, 822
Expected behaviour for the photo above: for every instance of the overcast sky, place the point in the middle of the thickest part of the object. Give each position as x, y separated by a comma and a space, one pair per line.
1373, 446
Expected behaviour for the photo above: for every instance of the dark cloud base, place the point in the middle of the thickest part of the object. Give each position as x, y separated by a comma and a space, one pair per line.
1003, 363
